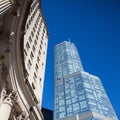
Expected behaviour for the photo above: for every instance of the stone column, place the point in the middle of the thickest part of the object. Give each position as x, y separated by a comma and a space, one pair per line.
7, 105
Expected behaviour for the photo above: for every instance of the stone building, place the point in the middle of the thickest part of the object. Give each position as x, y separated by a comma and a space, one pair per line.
23, 48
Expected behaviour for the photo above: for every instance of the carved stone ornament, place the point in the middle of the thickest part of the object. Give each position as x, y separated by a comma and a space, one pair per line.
11, 99
22, 116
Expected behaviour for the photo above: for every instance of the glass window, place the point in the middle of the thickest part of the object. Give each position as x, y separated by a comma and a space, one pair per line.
80, 92
82, 97
68, 101
83, 105
69, 108
87, 85
61, 102
33, 48
76, 106
90, 96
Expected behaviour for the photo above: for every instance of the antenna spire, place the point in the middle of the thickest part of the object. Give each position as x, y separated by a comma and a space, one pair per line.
69, 40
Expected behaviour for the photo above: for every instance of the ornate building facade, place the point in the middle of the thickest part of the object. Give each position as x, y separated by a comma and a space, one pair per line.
23, 48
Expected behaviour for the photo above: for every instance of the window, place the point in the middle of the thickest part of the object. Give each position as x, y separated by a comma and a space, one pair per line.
80, 92
35, 75
35, 26
27, 26
90, 96
82, 97
44, 31
83, 105
41, 42
38, 59
37, 36
29, 62
35, 42
33, 29
33, 48
69, 108
68, 101
32, 34
39, 52
87, 85
61, 102
36, 67
33, 86
38, 33
42, 64
40, 79
30, 39
25, 53
31, 56
40, 47
27, 46
76, 106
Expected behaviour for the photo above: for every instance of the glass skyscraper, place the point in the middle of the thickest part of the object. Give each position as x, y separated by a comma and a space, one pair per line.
78, 95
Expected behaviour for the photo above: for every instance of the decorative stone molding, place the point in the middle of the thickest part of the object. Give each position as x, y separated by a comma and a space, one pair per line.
12, 1
11, 98
22, 116
3, 94
7, 104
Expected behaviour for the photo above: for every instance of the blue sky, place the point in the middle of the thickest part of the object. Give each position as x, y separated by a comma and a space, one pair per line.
94, 27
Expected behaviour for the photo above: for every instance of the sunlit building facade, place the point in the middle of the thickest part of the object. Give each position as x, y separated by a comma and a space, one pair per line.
78, 95
23, 49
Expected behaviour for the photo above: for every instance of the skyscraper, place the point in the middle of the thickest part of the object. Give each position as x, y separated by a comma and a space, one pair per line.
78, 95
23, 49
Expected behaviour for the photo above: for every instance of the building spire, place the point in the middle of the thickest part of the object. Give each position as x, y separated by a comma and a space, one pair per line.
69, 40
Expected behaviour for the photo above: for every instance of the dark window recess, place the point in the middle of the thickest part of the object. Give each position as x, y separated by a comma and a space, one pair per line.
37, 36
43, 31
32, 34
39, 52
40, 46
30, 39
33, 48
35, 26
35, 75
31, 56
26, 73
35, 42
33, 29
25, 52
33, 86
36, 67
41, 42
40, 79
42, 37
30, 88
27, 26
29, 62
38, 33
27, 46
38, 59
